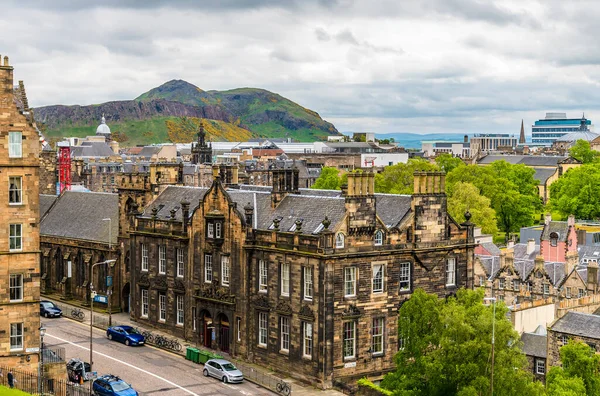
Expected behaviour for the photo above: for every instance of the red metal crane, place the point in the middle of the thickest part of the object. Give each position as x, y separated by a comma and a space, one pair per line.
64, 167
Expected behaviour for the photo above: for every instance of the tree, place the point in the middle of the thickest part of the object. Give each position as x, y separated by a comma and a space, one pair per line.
447, 349
399, 178
583, 152
120, 137
329, 179
577, 192
183, 129
580, 366
447, 162
467, 197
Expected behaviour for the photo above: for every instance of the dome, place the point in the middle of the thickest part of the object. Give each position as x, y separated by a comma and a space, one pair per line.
103, 129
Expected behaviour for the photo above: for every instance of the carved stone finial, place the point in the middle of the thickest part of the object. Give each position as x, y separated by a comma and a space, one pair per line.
298, 225
173, 211
467, 215
276, 224
326, 223
154, 212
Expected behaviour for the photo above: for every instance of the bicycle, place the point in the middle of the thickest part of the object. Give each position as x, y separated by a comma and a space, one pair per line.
284, 388
77, 314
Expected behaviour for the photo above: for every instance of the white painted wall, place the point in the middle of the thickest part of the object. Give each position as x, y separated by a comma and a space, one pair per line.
383, 159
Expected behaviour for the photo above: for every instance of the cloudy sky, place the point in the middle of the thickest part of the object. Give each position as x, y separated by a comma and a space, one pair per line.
420, 66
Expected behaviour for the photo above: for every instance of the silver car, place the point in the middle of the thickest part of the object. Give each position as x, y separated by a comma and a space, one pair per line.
222, 369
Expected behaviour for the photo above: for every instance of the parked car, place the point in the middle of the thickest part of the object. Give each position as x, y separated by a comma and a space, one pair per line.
76, 369
49, 310
125, 334
222, 369
111, 385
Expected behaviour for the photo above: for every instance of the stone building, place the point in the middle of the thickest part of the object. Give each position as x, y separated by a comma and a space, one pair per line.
573, 325
535, 348
305, 281
19, 239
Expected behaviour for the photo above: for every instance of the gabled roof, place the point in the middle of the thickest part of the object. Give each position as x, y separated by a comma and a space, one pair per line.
559, 227
46, 202
92, 149
171, 198
543, 174
534, 344
579, 324
528, 160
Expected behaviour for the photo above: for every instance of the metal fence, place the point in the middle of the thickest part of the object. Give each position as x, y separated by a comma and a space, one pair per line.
30, 382
53, 354
267, 380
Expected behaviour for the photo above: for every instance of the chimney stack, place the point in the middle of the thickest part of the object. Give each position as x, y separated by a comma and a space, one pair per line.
548, 218
571, 262
530, 246
592, 277
571, 220
185, 213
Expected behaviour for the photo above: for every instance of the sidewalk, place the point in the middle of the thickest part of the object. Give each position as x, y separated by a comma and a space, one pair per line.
123, 318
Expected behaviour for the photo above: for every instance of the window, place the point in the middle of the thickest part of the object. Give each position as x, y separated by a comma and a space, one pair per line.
516, 285
378, 238
16, 336
481, 280
564, 340
15, 190
208, 268
501, 298
308, 283
339, 240
501, 283
546, 288
568, 293
225, 270
285, 279
404, 276
529, 287
162, 259
15, 237
179, 309
262, 276
218, 230
349, 340
210, 230
284, 329
162, 307
180, 268
553, 239
144, 257
144, 303
263, 323
16, 287
377, 336
451, 272
350, 281
307, 340
540, 366
194, 318
15, 145
401, 343
378, 278
581, 293
238, 324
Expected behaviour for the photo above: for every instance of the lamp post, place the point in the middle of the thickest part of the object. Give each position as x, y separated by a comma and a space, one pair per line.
42, 334
493, 300
111, 263
110, 287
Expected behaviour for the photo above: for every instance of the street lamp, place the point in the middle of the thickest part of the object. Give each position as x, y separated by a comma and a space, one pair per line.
42, 334
493, 300
110, 287
111, 263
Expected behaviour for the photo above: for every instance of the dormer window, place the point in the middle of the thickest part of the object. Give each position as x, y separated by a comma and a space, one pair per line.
553, 239
378, 238
214, 229
210, 230
339, 240
218, 226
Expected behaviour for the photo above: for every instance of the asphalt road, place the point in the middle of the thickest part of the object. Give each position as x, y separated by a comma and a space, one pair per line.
149, 370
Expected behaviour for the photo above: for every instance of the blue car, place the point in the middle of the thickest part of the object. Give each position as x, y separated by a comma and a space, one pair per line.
111, 385
125, 334
49, 310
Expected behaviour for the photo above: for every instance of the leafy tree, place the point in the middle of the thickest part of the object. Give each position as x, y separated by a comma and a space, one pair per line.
447, 162
329, 179
583, 152
467, 196
119, 137
182, 130
447, 349
399, 178
577, 192
580, 366
359, 137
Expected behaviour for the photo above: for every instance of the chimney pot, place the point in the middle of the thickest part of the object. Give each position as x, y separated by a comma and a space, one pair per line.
548, 218
530, 246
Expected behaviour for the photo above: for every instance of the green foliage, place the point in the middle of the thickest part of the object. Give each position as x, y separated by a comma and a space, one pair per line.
329, 179
399, 178
4, 391
558, 384
465, 197
448, 349
359, 137
577, 192
580, 365
447, 162
583, 152
365, 383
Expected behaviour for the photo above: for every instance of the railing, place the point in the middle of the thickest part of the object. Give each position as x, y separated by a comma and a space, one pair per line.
53, 354
30, 382
160, 341
267, 380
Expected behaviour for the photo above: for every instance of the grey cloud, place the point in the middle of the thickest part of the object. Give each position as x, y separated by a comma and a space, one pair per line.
322, 35
346, 37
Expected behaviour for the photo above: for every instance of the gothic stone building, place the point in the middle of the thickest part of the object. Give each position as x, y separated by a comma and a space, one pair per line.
307, 282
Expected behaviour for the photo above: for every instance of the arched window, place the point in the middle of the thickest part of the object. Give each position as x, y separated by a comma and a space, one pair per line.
378, 238
339, 240
553, 239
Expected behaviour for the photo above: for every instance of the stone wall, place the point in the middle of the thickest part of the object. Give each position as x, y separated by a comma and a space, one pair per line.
48, 173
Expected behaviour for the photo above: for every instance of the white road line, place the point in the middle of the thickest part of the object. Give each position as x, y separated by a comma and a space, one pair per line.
127, 364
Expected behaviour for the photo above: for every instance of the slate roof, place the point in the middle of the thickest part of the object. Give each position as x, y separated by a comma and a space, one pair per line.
92, 149
78, 215
149, 151
580, 324
171, 198
534, 345
45, 202
560, 227
491, 248
528, 160
542, 174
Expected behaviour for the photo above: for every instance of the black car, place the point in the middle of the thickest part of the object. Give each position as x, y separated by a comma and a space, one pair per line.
77, 369
49, 310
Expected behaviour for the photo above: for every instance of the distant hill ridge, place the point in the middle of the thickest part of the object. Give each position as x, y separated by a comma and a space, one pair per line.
141, 120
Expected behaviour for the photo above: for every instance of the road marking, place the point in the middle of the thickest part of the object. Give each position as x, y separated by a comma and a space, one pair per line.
127, 364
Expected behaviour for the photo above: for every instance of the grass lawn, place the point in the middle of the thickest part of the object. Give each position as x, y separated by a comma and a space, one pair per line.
4, 391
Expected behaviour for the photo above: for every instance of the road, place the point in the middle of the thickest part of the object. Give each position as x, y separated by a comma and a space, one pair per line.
149, 370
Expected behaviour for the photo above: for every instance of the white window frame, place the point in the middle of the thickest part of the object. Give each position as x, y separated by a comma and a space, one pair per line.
16, 336
210, 230
144, 257
15, 238
307, 340
15, 144
308, 283
378, 238
17, 182
349, 340
339, 240
378, 278
162, 307
263, 328
144, 303
580, 293
378, 324
350, 280
481, 280
501, 283
546, 289
225, 270
405, 277
238, 323
263, 276
218, 229
285, 279
194, 318
16, 286
180, 311
162, 259
208, 268
284, 333
516, 285
180, 267
568, 292
451, 271
540, 364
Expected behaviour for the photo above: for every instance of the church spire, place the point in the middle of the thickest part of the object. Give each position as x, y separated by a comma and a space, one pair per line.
522, 136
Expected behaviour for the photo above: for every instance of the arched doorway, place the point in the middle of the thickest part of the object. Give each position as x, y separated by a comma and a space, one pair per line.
207, 329
125, 297
223, 322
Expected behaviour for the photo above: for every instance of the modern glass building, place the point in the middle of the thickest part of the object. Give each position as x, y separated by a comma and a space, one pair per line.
556, 125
